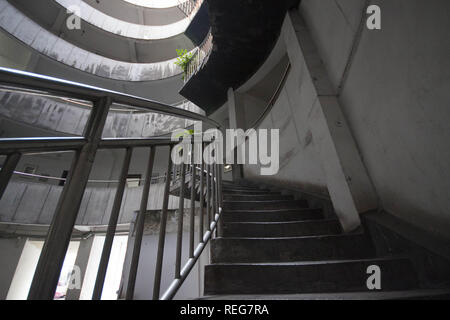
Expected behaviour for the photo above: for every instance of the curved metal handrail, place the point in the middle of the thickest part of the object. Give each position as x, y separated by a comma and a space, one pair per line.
70, 89
52, 257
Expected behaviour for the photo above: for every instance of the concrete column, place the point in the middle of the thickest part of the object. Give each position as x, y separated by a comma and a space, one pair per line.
84, 252
348, 183
236, 112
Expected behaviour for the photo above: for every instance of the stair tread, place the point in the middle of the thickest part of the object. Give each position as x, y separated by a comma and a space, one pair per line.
282, 222
312, 262
363, 295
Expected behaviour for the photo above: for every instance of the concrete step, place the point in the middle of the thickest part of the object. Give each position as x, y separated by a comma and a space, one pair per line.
307, 277
265, 205
328, 247
271, 215
256, 197
281, 229
416, 294
238, 187
248, 192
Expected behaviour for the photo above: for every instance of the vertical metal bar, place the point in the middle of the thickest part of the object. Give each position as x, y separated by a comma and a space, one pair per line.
214, 194
50, 263
112, 226
208, 196
8, 168
162, 233
202, 200
193, 197
139, 227
180, 223
221, 185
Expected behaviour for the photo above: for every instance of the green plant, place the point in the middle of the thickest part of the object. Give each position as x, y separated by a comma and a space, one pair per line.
183, 60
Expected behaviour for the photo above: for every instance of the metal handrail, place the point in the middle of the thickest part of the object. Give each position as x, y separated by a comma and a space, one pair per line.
51, 261
70, 89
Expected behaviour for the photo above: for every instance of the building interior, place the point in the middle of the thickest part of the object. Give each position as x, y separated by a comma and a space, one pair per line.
99, 97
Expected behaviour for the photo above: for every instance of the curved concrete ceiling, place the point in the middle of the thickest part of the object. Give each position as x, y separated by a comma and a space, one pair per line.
21, 27
156, 3
126, 11
123, 28
96, 40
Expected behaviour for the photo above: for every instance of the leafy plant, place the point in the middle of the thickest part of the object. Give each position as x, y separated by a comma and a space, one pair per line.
183, 60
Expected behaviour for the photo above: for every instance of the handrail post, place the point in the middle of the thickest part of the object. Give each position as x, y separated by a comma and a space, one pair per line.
45, 280
139, 227
193, 198
208, 196
214, 198
162, 233
112, 227
180, 222
7, 171
202, 198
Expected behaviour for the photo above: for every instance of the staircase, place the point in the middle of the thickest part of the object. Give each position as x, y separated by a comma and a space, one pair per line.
272, 245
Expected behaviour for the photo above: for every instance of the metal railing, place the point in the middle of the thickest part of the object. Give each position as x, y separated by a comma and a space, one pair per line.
201, 54
190, 7
51, 260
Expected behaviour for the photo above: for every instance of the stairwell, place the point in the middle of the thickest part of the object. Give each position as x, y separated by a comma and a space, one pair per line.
273, 246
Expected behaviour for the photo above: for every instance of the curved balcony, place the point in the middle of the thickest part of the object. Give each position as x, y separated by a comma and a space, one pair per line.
237, 50
108, 36
60, 116
132, 13
30, 33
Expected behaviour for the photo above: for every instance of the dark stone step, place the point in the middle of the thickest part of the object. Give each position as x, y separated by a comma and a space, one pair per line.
238, 187
269, 204
329, 247
309, 277
248, 192
281, 229
256, 197
271, 215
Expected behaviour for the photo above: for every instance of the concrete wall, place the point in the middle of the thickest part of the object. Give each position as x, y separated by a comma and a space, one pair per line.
299, 162
393, 87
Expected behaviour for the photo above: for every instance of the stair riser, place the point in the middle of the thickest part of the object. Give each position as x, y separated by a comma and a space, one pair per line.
283, 216
332, 277
247, 192
301, 229
266, 205
241, 250
254, 197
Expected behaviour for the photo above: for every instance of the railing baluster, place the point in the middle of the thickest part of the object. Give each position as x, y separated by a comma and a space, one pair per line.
202, 199
193, 197
180, 222
208, 196
213, 202
8, 168
162, 233
50, 263
139, 227
112, 226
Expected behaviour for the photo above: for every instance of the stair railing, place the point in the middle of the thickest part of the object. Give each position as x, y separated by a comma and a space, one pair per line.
51, 260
